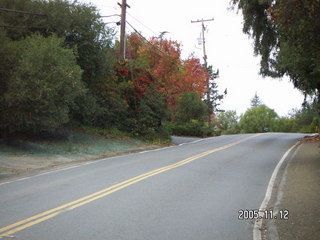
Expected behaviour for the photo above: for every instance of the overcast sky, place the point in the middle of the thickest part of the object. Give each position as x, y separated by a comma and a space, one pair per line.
228, 49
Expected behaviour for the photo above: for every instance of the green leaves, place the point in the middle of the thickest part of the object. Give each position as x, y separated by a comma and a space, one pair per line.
43, 87
257, 118
287, 36
191, 107
227, 122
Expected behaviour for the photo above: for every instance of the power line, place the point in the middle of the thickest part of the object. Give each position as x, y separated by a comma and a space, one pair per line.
113, 15
16, 27
152, 45
141, 23
118, 23
22, 12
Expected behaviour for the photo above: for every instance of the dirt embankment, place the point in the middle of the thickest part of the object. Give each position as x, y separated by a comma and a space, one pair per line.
20, 157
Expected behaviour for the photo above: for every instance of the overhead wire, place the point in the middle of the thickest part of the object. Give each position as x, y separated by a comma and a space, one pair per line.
148, 42
17, 27
44, 15
141, 23
22, 12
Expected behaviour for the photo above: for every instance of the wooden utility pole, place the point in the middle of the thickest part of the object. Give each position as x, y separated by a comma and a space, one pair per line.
204, 51
123, 6
203, 38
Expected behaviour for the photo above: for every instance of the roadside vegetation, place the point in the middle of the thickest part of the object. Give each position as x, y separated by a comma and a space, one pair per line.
60, 72
286, 35
260, 118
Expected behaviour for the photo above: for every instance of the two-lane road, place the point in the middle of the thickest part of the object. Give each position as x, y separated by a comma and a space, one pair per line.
192, 191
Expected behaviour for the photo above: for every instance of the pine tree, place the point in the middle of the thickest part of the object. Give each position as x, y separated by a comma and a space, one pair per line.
255, 101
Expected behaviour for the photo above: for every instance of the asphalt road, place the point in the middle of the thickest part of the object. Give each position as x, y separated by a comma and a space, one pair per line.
192, 191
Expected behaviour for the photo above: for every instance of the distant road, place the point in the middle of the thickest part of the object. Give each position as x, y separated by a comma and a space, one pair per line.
193, 191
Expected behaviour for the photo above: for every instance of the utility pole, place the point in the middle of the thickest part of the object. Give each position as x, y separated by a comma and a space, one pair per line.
123, 6
203, 38
205, 55
205, 60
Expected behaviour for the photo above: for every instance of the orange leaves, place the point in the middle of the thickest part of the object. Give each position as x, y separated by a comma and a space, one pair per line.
158, 62
194, 76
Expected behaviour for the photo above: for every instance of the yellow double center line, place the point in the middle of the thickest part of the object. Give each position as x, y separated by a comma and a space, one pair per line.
28, 222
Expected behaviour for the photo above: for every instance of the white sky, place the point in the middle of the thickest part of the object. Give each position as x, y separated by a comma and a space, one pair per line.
227, 47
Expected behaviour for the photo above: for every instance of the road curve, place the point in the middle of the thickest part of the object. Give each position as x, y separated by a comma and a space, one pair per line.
191, 191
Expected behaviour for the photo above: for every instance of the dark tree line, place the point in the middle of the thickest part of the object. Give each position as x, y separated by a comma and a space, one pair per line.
56, 68
59, 68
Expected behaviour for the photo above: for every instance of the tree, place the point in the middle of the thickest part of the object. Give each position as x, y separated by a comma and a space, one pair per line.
255, 101
190, 115
159, 61
287, 37
155, 79
81, 27
43, 87
285, 124
191, 107
305, 119
255, 119
151, 112
215, 97
227, 122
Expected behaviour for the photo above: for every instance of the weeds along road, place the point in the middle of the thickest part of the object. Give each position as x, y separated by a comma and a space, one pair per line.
191, 191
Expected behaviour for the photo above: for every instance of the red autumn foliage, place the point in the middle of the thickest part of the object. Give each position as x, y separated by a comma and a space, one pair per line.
158, 63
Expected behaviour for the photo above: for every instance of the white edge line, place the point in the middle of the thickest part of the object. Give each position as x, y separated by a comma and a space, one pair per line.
67, 168
154, 150
82, 164
195, 141
258, 223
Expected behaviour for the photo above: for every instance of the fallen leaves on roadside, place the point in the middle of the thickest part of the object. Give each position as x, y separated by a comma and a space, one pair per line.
312, 138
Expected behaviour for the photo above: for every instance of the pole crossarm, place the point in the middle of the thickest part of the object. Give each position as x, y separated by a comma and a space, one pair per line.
203, 20
203, 38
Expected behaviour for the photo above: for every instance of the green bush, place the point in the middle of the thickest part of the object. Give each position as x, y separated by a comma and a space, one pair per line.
311, 128
191, 107
227, 123
284, 124
256, 119
146, 114
42, 88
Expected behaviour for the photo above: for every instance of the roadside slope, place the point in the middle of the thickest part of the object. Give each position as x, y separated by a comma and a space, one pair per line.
26, 156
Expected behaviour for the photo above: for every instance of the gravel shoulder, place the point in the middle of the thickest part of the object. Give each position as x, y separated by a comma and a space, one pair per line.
299, 194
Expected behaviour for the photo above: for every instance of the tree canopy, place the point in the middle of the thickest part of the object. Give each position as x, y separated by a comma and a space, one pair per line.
287, 37
43, 87
60, 66
256, 119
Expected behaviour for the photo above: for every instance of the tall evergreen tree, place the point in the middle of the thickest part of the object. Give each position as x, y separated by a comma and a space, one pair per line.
255, 101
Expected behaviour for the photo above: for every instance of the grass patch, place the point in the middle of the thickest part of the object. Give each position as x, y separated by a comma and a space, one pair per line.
105, 132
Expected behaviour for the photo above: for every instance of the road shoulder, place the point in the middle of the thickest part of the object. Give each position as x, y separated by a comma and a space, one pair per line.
298, 193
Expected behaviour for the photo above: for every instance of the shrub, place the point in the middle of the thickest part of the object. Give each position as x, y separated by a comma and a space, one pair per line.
42, 88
